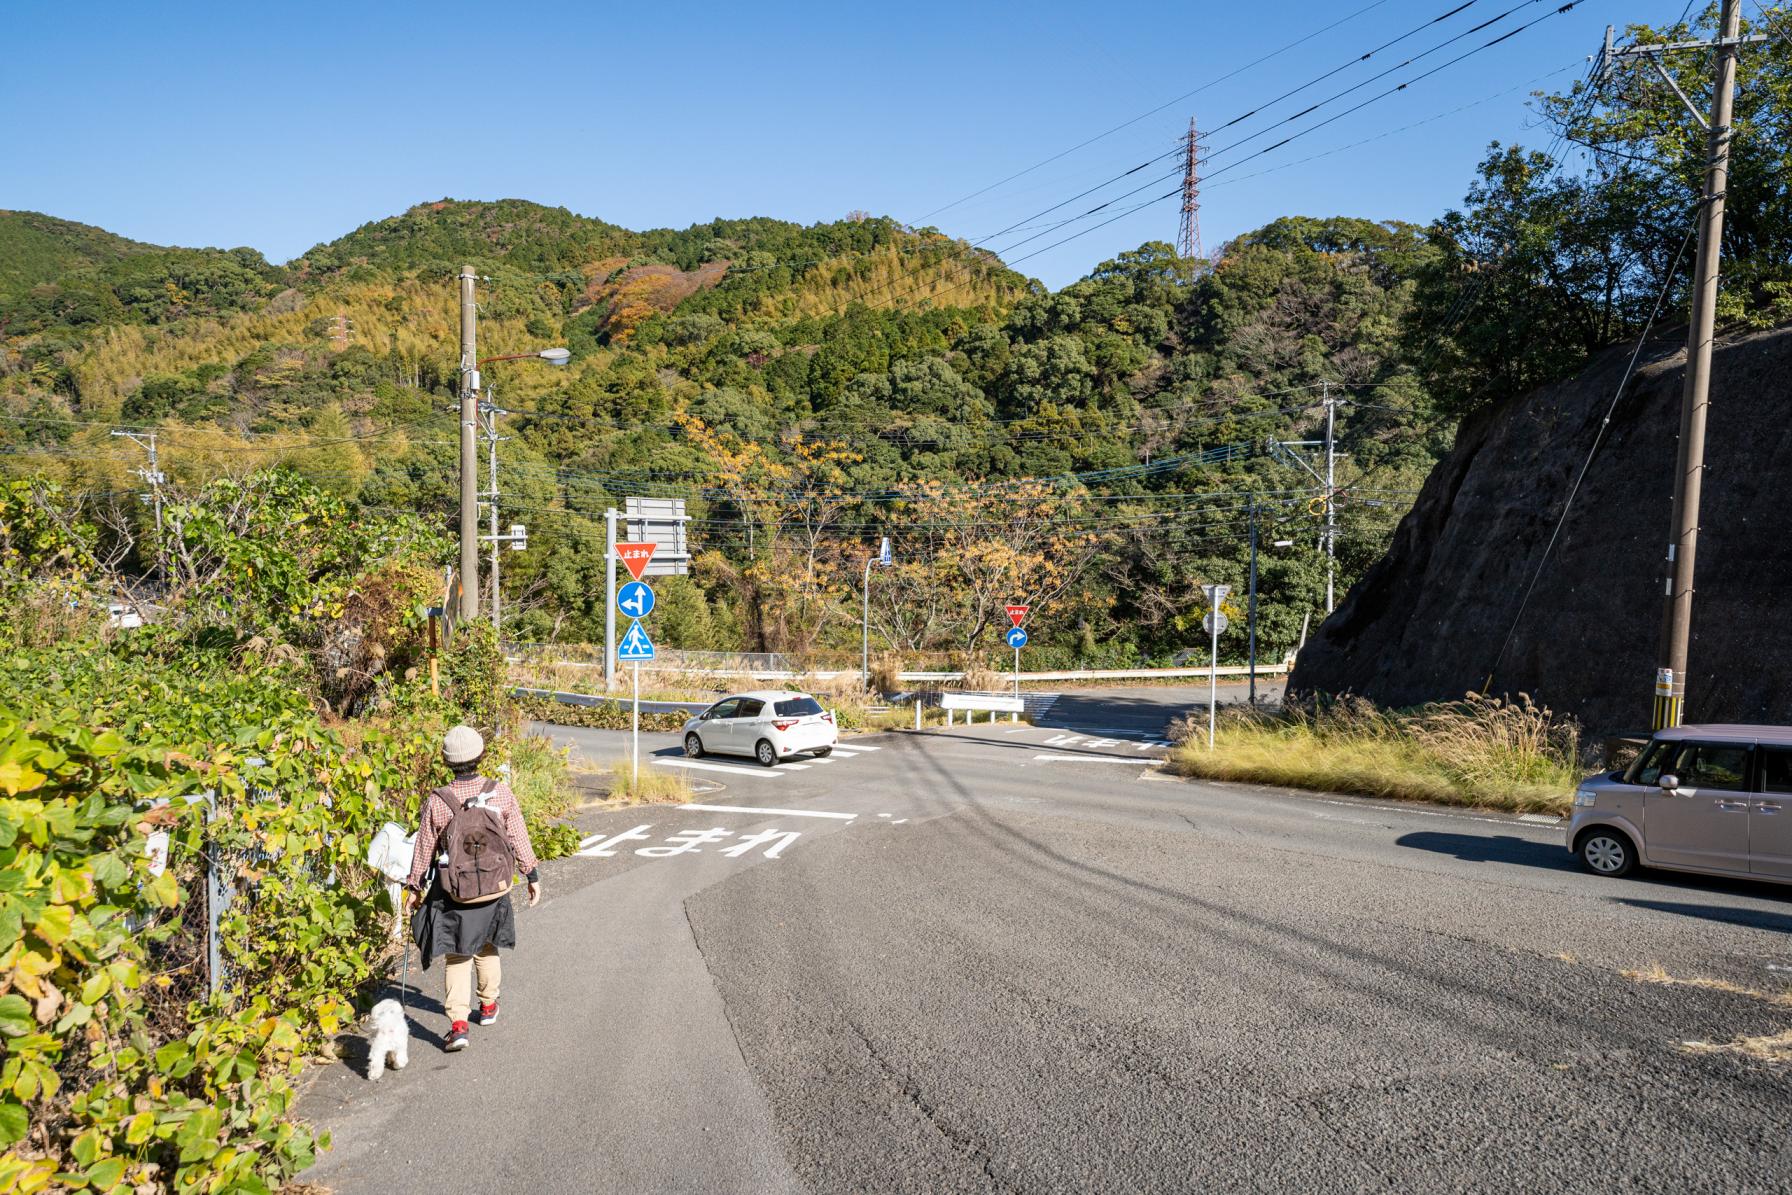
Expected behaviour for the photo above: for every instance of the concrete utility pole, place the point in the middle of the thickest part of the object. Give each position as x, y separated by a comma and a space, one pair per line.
490, 411
1251, 611
1689, 472
1331, 481
154, 476
469, 450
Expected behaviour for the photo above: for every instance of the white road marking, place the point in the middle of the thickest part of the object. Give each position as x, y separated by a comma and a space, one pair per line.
843, 817
863, 747
794, 767
1094, 759
762, 773
1540, 819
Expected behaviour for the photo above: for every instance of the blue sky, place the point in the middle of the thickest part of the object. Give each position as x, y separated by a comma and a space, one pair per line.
279, 125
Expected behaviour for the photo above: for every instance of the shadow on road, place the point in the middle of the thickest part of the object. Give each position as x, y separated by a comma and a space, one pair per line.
1477, 848
1751, 918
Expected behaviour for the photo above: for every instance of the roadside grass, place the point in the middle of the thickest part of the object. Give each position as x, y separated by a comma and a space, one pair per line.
540, 778
653, 787
1483, 752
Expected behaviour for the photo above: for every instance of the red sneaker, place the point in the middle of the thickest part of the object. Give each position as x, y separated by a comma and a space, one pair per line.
457, 1037
488, 1013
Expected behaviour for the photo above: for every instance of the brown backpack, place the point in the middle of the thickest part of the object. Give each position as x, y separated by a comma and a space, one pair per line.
474, 859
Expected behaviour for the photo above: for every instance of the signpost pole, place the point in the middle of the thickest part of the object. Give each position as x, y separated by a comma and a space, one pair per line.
609, 599
635, 727
1213, 673
1016, 717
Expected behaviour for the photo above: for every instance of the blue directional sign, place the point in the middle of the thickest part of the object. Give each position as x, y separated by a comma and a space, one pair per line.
635, 599
635, 646
1017, 637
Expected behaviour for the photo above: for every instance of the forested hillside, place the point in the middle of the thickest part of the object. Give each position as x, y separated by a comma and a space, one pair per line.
1098, 451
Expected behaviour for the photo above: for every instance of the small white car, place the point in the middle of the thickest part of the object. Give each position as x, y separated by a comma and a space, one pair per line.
767, 725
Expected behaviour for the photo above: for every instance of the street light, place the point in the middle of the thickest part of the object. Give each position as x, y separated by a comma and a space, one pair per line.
551, 356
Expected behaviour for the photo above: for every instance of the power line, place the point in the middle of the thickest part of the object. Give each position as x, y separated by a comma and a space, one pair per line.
1255, 62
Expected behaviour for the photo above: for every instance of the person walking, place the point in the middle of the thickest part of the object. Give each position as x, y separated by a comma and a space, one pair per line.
471, 842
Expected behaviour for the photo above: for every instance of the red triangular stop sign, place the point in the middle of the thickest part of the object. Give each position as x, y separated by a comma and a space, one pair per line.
1017, 614
635, 556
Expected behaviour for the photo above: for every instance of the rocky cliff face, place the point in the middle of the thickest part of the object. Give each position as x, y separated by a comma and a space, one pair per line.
1431, 620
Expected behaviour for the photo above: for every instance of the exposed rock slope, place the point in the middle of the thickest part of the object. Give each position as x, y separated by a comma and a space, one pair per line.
1429, 621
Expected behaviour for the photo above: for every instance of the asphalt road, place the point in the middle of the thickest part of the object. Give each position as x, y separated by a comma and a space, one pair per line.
1021, 959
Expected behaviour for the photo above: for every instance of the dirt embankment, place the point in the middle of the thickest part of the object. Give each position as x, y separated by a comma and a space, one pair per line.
1431, 620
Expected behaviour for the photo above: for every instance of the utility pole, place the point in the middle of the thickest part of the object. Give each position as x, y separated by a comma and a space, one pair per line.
1695, 402
1251, 611
469, 450
1331, 483
155, 477
491, 412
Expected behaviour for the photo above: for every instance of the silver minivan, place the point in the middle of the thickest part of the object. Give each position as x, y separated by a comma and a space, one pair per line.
1710, 799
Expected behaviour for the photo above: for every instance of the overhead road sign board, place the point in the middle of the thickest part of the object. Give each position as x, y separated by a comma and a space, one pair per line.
663, 523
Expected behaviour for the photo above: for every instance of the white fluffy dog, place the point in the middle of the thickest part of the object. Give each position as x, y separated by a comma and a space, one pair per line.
390, 1040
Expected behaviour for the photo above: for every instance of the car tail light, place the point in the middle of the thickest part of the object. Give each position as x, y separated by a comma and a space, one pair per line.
828, 716
783, 725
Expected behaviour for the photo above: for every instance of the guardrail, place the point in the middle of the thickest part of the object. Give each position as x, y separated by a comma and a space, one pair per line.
1067, 675
688, 708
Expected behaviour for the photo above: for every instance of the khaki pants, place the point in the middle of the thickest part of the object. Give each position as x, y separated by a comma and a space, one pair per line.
459, 972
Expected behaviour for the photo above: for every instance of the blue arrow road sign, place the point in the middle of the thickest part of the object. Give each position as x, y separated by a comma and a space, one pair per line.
1017, 637
635, 645
635, 599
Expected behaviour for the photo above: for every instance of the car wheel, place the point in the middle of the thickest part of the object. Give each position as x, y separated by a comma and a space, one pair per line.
822, 752
693, 746
765, 753
1606, 852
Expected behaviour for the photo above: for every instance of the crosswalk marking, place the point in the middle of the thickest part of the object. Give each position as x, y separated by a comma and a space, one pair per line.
794, 767
762, 773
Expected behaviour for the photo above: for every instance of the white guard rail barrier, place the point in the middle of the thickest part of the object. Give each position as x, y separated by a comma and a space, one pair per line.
995, 703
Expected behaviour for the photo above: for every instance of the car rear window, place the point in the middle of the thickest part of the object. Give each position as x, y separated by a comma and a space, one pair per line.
798, 707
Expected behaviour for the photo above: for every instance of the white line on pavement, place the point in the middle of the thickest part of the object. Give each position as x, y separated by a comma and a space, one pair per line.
762, 773
863, 747
1098, 759
844, 817
794, 767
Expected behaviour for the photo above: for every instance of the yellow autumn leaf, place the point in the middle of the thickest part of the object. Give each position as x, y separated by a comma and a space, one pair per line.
16, 777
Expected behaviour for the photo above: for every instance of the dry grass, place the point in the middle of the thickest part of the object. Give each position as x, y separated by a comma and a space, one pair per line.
1657, 974
1766, 1047
1482, 751
654, 786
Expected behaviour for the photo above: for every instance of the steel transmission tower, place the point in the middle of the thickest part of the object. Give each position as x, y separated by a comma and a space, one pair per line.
1188, 238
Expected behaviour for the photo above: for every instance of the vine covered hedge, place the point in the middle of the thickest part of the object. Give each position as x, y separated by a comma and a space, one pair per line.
131, 763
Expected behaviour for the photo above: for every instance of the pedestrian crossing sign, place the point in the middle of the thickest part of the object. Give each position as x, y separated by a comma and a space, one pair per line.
635, 646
